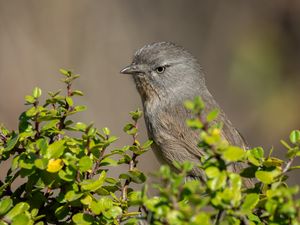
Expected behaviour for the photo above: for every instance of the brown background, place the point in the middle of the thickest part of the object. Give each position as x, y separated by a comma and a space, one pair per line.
250, 51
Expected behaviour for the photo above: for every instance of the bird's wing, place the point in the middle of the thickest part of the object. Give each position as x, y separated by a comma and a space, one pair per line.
173, 139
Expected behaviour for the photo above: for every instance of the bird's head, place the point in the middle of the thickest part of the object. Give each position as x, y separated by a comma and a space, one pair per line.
163, 70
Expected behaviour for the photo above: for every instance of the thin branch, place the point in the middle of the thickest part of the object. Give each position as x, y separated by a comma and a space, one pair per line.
132, 165
288, 165
3, 137
218, 218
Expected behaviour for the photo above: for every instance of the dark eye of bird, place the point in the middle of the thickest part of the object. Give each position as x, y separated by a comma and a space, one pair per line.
160, 69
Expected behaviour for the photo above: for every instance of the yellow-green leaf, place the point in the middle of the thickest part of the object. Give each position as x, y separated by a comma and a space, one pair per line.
233, 153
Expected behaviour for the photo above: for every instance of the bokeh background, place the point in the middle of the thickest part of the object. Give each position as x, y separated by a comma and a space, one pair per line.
250, 52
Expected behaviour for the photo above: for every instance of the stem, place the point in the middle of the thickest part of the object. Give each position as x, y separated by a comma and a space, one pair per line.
288, 165
244, 220
3, 137
132, 165
69, 91
96, 167
61, 124
36, 127
36, 122
218, 218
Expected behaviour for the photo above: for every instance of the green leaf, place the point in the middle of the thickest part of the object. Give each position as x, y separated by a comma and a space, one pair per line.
257, 152
34, 212
11, 143
56, 149
50, 125
135, 115
147, 144
202, 218
198, 104
187, 166
294, 167
217, 182
72, 196
194, 123
42, 144
286, 144
68, 174
93, 185
32, 112
134, 198
61, 212
85, 163
295, 136
29, 99
212, 115
17, 209
212, 172
165, 171
235, 180
254, 218
22, 219
106, 131
41, 163
272, 161
102, 205
130, 129
233, 154
112, 139
91, 132
250, 202
113, 212
39, 223
267, 177
77, 92
80, 126
37, 92
80, 108
65, 72
255, 156
69, 100
83, 219
86, 200
5, 205
137, 176
189, 105
107, 161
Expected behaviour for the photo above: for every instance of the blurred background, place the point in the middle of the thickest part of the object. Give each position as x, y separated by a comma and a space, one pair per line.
250, 52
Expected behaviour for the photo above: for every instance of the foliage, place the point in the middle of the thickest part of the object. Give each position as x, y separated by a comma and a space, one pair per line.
65, 169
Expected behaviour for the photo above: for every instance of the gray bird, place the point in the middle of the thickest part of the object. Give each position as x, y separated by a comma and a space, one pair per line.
166, 75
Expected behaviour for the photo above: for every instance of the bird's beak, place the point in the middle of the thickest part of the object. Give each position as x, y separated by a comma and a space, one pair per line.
132, 69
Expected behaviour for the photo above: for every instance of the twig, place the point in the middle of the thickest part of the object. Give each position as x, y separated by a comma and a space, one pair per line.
288, 165
132, 165
3, 137
69, 91
36, 122
219, 216
97, 165
244, 220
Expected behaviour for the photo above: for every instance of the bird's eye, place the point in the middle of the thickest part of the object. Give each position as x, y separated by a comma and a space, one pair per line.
160, 69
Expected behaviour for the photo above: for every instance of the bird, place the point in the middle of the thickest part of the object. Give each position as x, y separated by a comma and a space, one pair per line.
166, 75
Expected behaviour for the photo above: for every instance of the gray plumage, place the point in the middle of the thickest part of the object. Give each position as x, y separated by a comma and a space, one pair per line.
165, 76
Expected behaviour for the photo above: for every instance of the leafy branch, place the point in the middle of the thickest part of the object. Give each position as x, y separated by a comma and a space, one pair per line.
66, 167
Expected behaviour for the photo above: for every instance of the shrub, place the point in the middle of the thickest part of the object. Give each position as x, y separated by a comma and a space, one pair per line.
64, 166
